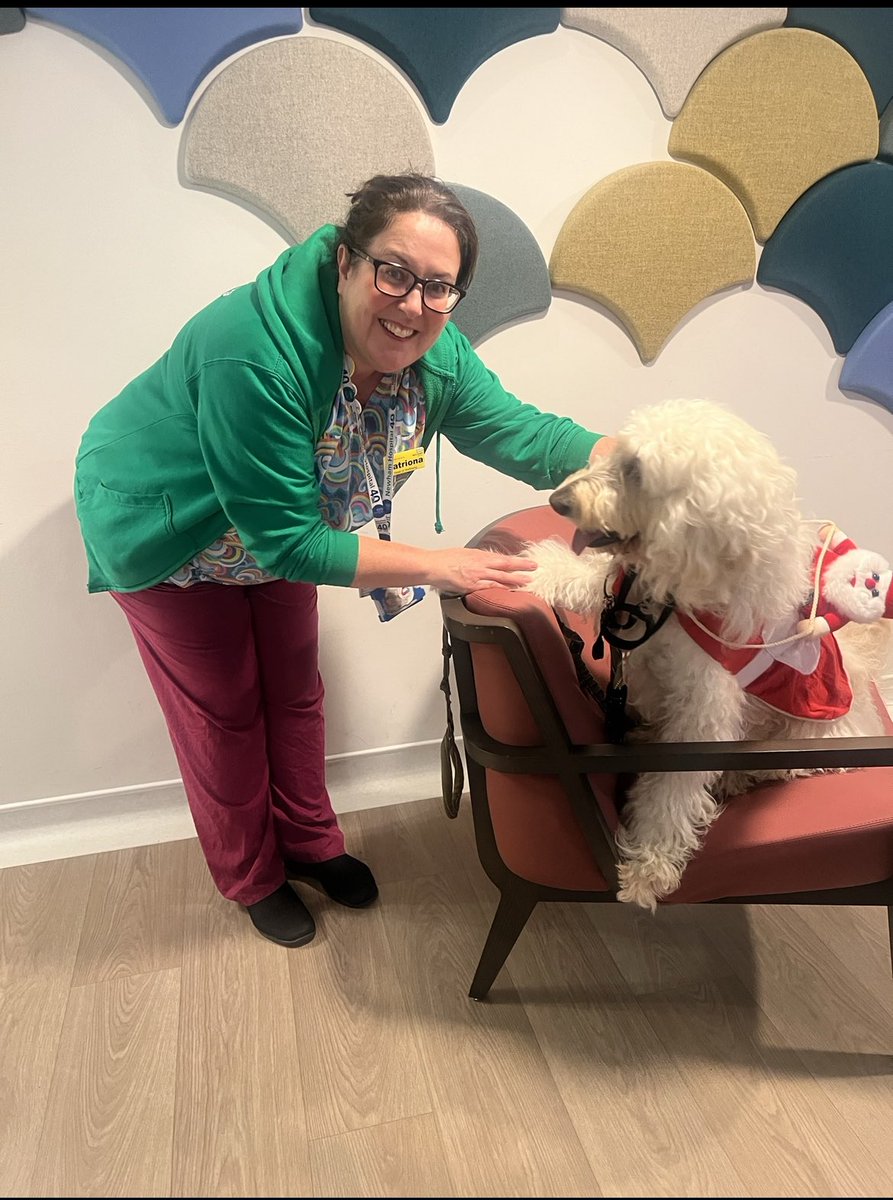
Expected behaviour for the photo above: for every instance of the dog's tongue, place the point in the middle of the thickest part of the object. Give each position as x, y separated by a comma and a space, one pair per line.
585, 541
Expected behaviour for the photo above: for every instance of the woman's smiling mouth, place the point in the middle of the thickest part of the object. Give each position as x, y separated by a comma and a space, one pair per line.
398, 331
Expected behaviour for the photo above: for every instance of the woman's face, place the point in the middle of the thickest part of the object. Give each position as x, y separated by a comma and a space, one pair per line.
383, 334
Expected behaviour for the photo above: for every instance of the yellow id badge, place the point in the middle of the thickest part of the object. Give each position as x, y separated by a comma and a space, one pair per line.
408, 460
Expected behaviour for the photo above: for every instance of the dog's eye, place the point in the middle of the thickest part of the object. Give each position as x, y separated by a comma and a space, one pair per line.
631, 470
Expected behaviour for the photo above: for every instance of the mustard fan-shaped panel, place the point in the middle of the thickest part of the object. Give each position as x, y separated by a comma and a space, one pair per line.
671, 46
775, 113
292, 126
649, 243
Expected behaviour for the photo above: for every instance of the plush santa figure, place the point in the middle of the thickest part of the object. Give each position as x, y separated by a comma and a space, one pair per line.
854, 585
791, 666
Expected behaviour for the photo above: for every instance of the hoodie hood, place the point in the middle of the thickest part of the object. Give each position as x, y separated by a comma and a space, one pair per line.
297, 301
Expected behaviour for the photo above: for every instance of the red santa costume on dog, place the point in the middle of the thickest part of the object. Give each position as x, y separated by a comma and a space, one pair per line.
794, 667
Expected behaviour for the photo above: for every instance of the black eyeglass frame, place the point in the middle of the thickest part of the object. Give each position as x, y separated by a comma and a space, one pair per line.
416, 280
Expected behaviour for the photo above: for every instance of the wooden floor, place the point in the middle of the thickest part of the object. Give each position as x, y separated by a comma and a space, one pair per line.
152, 1044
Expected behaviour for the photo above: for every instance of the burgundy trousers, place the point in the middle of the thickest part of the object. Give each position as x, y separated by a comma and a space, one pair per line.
236, 672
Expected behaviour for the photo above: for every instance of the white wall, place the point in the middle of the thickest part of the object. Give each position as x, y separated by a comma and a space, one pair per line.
105, 255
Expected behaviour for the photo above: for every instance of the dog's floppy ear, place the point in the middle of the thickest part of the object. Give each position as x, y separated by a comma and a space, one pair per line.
631, 470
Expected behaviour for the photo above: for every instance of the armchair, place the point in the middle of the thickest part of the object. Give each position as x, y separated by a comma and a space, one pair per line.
546, 785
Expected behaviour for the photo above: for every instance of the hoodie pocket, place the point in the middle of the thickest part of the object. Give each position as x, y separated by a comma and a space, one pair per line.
127, 532
155, 505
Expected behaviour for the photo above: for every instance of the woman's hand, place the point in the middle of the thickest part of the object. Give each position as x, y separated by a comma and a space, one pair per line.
603, 447
454, 571
460, 570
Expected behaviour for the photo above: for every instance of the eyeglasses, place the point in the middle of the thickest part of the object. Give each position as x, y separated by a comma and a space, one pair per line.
394, 280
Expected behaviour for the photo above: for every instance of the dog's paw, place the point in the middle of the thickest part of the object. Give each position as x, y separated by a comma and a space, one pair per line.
646, 883
565, 580
635, 891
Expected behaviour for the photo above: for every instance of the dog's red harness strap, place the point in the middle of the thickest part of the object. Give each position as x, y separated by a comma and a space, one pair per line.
812, 689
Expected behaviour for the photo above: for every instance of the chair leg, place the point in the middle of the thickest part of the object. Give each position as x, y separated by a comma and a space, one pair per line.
510, 918
890, 930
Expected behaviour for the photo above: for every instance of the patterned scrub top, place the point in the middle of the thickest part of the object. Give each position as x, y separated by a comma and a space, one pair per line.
344, 495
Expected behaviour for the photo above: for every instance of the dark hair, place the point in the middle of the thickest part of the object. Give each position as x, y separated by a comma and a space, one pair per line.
380, 199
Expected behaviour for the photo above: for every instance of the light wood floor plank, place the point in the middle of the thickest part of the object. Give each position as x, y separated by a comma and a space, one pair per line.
858, 937
239, 1125
360, 1063
706, 1013
725, 1051
505, 1128
645, 1136
108, 1125
32, 1013
635, 1106
134, 921
403, 841
41, 913
401, 1158
840, 1030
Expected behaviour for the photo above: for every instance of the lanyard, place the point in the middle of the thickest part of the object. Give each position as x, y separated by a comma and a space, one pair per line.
389, 601
381, 498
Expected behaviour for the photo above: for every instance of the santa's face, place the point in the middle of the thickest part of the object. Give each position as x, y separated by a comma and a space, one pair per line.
858, 586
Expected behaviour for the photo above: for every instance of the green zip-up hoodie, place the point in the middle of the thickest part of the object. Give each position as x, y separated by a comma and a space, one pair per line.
221, 431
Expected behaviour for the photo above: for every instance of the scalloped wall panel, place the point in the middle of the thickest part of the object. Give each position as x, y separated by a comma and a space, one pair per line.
651, 242
834, 251
12, 20
772, 115
512, 278
439, 48
263, 132
885, 149
172, 49
867, 33
671, 46
868, 368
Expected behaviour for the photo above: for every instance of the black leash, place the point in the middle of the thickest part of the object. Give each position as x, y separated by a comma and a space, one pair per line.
618, 627
611, 700
618, 623
619, 617
452, 773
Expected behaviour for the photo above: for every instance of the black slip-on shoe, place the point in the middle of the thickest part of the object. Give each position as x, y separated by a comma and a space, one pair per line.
283, 918
344, 879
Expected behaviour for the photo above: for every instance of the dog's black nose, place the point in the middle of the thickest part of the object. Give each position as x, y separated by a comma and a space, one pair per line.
561, 502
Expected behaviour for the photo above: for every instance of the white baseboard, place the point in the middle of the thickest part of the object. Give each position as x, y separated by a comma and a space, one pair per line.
33, 831
144, 814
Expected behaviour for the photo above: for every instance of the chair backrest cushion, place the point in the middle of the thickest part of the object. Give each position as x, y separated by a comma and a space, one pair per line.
536, 830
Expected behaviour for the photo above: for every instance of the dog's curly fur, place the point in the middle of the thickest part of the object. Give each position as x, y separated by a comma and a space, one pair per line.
705, 513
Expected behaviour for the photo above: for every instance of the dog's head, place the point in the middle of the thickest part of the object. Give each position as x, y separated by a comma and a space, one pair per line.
699, 503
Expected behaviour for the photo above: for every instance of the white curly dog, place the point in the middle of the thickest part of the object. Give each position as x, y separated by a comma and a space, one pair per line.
696, 512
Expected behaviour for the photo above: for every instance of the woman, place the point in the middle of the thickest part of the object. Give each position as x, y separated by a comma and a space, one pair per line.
222, 485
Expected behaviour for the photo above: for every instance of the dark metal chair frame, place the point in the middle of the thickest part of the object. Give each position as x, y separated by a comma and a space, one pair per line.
571, 764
